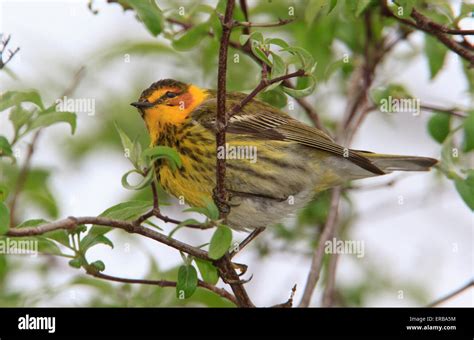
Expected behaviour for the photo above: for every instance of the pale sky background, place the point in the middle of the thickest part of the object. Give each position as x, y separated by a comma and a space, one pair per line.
412, 241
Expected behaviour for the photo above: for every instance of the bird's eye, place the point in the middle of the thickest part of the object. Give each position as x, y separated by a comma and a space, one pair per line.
170, 94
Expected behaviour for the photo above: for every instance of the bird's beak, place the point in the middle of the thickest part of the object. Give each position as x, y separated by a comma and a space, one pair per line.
142, 105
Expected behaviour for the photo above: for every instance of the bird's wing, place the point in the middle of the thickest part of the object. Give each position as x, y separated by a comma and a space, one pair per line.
263, 121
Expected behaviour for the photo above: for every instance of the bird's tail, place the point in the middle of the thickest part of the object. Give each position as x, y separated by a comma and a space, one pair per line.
389, 163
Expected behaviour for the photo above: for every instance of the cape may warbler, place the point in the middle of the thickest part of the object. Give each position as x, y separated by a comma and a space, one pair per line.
275, 164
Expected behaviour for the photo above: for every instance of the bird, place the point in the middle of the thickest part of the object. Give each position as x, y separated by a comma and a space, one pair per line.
275, 164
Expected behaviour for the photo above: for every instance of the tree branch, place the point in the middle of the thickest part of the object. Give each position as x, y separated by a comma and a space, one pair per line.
317, 260
11, 53
440, 32
260, 87
224, 264
163, 283
22, 176
220, 194
452, 294
330, 289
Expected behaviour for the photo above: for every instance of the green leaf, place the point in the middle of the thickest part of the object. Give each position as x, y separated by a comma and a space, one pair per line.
183, 224
277, 41
404, 8
469, 132
191, 37
381, 95
126, 211
244, 38
5, 147
298, 93
208, 271
170, 154
13, 98
4, 218
48, 119
19, 117
32, 223
46, 246
98, 265
313, 9
439, 125
465, 189
3, 192
210, 210
278, 70
332, 5
91, 240
257, 50
305, 58
149, 13
146, 180
362, 6
187, 282
220, 242
435, 53
76, 263
132, 149
275, 97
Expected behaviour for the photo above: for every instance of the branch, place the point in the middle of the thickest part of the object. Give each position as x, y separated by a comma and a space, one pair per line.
330, 289
317, 260
452, 294
11, 53
454, 111
71, 223
220, 194
440, 32
224, 264
260, 87
20, 183
163, 283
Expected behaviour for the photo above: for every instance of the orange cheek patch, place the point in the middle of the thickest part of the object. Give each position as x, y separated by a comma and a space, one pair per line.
184, 101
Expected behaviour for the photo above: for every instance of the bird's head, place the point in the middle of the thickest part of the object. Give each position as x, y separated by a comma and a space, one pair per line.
168, 101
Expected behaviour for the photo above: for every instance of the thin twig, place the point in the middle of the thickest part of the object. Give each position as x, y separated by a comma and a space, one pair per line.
330, 289
454, 111
260, 87
425, 24
164, 283
25, 169
452, 294
22, 176
245, 10
318, 255
247, 240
